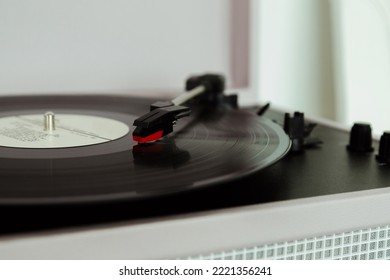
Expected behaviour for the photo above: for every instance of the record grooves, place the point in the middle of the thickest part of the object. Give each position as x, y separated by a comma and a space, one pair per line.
213, 150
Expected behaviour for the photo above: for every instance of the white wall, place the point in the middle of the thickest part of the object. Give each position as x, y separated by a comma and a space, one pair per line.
327, 58
110, 46
295, 56
362, 52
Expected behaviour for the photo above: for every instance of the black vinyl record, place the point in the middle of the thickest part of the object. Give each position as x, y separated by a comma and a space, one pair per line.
213, 149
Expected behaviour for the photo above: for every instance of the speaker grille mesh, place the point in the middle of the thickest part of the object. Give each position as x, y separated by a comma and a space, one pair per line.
364, 244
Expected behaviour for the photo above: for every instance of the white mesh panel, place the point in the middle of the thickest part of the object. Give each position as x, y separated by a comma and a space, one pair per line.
365, 244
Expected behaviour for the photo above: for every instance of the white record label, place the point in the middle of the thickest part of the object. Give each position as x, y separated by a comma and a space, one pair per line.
63, 131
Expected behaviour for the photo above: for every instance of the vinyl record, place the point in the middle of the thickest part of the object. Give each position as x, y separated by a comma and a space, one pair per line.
79, 165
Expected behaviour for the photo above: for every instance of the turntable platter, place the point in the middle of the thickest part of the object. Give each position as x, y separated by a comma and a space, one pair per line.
203, 153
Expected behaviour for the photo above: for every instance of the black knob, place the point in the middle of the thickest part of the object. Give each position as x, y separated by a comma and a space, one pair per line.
383, 155
360, 138
294, 126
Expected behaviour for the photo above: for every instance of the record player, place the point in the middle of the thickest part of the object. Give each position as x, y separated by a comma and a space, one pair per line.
225, 182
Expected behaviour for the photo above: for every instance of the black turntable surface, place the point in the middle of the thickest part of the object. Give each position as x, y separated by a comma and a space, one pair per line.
212, 163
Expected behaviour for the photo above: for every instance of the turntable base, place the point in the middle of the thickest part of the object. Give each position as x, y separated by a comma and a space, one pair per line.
323, 203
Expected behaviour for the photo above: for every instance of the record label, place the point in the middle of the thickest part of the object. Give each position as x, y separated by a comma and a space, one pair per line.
63, 131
